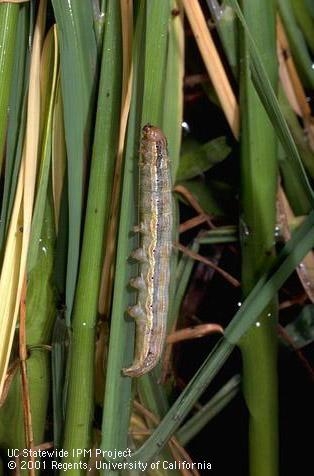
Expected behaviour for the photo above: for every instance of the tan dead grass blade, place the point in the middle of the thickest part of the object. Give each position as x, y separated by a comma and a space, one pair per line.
292, 84
196, 256
285, 80
14, 1
14, 264
195, 332
9, 281
296, 84
141, 421
213, 63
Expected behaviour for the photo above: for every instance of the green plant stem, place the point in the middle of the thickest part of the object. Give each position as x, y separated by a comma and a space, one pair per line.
258, 195
79, 408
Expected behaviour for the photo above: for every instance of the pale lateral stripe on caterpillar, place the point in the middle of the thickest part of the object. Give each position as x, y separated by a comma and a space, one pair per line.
155, 228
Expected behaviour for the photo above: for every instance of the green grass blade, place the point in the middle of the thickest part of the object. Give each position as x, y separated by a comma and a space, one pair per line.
224, 18
183, 275
297, 132
297, 42
78, 56
301, 330
173, 93
223, 234
9, 14
198, 158
304, 20
99, 21
17, 117
289, 257
156, 39
214, 406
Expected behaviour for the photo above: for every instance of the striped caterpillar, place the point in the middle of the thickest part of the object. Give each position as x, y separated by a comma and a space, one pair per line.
155, 228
